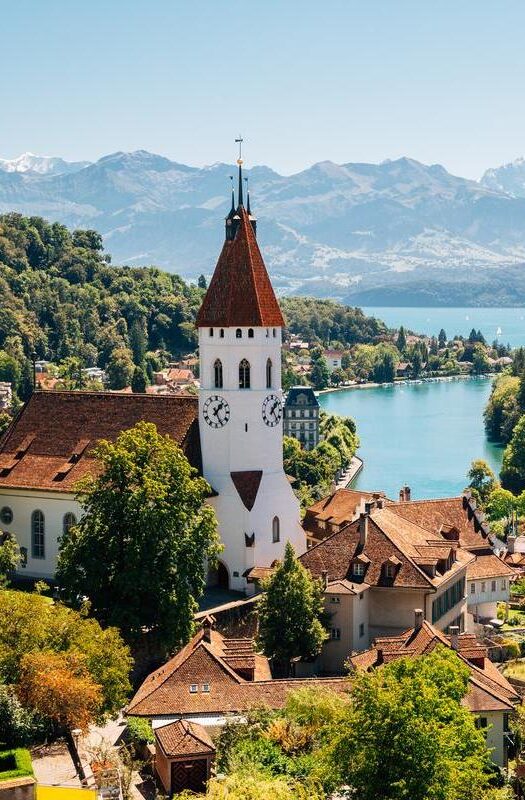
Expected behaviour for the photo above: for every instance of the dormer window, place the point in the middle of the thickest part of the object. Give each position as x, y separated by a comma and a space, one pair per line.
238, 333
390, 570
358, 568
206, 687
250, 333
194, 688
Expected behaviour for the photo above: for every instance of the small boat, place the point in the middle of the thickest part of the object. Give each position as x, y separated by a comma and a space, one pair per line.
498, 332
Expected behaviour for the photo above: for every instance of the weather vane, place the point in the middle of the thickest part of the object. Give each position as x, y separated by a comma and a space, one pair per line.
239, 141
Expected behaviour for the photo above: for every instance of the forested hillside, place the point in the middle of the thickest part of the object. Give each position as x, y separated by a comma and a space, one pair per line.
64, 301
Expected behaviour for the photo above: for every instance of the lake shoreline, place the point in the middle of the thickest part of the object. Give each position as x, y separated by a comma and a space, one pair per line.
407, 382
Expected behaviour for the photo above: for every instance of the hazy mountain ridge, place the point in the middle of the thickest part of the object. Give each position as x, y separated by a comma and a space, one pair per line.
340, 230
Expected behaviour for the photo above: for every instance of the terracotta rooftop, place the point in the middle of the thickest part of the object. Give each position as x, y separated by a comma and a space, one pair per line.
240, 292
168, 691
339, 507
488, 689
49, 444
489, 567
388, 537
451, 513
183, 738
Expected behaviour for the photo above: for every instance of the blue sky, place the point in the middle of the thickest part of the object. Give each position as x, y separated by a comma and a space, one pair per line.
346, 80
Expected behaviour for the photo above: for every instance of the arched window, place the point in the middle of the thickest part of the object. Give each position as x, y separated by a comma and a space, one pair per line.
38, 535
217, 373
244, 374
238, 333
250, 333
274, 333
276, 530
211, 331
221, 333
269, 374
68, 522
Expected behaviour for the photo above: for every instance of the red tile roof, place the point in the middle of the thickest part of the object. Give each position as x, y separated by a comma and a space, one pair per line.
247, 484
49, 444
488, 689
388, 535
240, 292
183, 738
167, 691
489, 567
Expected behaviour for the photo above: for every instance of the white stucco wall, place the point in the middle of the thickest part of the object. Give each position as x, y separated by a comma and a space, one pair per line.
53, 505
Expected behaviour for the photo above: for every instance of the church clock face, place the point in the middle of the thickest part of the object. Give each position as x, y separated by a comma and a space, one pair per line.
272, 410
216, 411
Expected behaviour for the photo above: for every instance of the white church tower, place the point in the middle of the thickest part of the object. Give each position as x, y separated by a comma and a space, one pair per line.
241, 407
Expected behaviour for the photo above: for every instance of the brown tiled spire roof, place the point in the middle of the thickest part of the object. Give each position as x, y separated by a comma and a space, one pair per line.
240, 292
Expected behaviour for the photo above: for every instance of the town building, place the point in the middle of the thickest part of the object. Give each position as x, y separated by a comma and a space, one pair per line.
232, 433
336, 511
333, 359
301, 416
489, 695
211, 680
6, 395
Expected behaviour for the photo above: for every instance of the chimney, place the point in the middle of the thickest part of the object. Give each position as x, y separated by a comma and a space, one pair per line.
511, 543
418, 618
207, 624
404, 494
380, 658
324, 577
363, 529
453, 633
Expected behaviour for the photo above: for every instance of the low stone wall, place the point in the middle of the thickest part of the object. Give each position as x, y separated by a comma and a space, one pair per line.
18, 789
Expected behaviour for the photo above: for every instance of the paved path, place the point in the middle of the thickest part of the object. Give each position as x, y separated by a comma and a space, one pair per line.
53, 766
356, 465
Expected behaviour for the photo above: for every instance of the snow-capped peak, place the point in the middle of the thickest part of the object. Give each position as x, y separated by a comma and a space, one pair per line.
42, 165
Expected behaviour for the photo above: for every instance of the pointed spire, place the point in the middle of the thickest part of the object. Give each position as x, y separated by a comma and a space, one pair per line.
247, 197
232, 209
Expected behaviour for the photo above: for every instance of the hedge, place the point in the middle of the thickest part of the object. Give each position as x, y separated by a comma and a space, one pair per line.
22, 760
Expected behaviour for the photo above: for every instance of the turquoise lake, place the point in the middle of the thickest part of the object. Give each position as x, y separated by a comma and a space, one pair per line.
507, 325
421, 434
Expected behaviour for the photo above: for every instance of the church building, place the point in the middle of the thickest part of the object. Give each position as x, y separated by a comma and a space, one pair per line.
232, 434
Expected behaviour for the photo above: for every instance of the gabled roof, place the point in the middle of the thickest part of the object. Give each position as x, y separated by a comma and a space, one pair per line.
167, 690
49, 444
388, 535
488, 689
489, 567
447, 513
340, 506
183, 738
240, 292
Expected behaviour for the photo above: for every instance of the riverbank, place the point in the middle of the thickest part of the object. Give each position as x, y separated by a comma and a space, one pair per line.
407, 382
354, 468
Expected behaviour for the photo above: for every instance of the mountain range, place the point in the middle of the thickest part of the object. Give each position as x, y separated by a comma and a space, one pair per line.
399, 232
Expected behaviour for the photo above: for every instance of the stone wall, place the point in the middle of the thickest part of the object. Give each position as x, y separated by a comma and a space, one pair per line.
18, 789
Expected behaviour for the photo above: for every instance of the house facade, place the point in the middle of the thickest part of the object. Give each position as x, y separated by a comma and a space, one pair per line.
301, 416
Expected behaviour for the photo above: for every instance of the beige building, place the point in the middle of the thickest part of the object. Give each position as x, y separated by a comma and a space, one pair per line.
489, 696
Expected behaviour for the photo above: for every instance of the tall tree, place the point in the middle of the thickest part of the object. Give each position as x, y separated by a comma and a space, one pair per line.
146, 513
202, 282
9, 556
481, 479
138, 341
408, 736
442, 338
401, 342
320, 373
513, 469
290, 613
138, 381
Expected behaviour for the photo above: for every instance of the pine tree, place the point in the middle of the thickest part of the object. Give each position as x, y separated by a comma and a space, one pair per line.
138, 381
442, 338
202, 282
137, 342
401, 342
290, 613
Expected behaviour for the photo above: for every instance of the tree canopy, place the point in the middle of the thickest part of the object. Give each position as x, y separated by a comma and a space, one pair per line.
145, 512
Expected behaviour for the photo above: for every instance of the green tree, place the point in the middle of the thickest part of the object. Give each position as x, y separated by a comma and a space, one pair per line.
501, 503
138, 381
513, 468
120, 368
138, 342
5, 421
9, 369
502, 408
407, 735
146, 513
401, 342
320, 373
480, 361
9, 556
290, 613
442, 338
481, 479
202, 282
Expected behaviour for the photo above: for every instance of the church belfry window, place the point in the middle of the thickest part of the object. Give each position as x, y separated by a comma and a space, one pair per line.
269, 374
38, 535
276, 530
211, 331
238, 333
217, 374
250, 333
244, 374
221, 333
274, 333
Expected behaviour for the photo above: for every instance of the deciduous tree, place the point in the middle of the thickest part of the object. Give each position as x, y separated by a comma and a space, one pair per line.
146, 513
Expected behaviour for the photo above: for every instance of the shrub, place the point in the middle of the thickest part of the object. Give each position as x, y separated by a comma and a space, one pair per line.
15, 764
140, 731
18, 726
